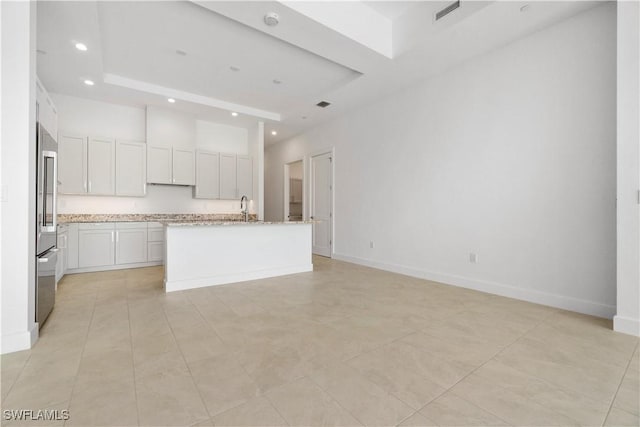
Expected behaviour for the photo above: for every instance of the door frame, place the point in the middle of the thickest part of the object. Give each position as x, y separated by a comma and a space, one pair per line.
332, 152
285, 216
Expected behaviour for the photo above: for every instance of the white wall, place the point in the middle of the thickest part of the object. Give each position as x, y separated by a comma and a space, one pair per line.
18, 155
627, 318
510, 155
88, 117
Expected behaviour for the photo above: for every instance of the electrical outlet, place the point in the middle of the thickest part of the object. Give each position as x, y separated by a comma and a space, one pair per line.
371, 245
473, 258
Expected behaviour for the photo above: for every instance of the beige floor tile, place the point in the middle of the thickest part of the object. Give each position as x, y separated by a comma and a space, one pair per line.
452, 410
303, 403
628, 396
169, 400
407, 374
366, 401
98, 401
222, 383
418, 420
257, 412
470, 350
619, 418
508, 406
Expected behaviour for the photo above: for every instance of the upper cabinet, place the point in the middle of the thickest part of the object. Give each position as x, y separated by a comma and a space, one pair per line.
72, 164
207, 175
244, 176
101, 159
170, 165
46, 111
228, 188
131, 168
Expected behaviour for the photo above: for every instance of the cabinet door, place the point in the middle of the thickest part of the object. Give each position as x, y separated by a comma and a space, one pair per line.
244, 176
131, 168
156, 251
158, 165
183, 167
96, 248
207, 175
131, 246
72, 164
72, 247
228, 188
101, 155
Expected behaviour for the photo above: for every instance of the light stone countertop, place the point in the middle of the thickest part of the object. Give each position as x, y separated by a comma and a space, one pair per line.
164, 218
200, 223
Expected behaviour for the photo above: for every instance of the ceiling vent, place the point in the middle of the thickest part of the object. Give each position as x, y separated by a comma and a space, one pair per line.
323, 104
447, 10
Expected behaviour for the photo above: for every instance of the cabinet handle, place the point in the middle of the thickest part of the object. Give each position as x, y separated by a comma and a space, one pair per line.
89, 186
112, 233
85, 186
117, 236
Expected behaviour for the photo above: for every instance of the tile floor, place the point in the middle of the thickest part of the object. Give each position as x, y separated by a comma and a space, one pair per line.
344, 345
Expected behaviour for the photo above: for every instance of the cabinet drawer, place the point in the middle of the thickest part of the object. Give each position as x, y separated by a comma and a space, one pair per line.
155, 251
96, 226
129, 225
156, 235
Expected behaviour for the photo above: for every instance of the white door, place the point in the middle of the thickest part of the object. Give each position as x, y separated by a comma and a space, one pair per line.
183, 167
158, 165
321, 203
131, 168
244, 176
228, 187
101, 169
207, 175
72, 164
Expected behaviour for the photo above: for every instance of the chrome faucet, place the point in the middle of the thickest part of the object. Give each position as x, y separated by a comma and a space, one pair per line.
244, 201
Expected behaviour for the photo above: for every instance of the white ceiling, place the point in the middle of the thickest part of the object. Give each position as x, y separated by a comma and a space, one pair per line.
137, 42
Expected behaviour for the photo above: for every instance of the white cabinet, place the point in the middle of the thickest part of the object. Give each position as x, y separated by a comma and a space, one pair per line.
72, 246
131, 168
72, 164
131, 243
228, 188
96, 245
101, 159
63, 245
207, 175
244, 176
170, 165
155, 245
159, 165
183, 166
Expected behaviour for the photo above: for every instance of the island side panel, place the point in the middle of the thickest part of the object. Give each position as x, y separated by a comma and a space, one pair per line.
200, 255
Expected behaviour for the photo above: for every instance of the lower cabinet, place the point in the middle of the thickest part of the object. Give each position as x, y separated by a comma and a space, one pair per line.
63, 258
96, 245
107, 246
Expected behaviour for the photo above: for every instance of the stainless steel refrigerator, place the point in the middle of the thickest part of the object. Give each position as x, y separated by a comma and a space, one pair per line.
46, 235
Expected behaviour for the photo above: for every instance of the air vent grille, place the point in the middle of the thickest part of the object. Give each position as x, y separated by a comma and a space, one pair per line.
323, 104
447, 10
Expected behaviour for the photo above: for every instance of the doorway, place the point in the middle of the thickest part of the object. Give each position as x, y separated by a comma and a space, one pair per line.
322, 203
294, 191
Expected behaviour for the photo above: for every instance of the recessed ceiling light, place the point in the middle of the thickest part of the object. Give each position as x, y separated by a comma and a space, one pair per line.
232, 68
234, 114
271, 19
81, 46
276, 81
89, 82
524, 8
181, 52
171, 100
274, 133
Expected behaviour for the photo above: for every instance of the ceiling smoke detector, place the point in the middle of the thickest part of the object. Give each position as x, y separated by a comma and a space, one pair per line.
323, 104
271, 19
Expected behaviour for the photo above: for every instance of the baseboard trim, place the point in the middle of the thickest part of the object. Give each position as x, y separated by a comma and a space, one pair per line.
544, 298
626, 325
113, 267
19, 341
179, 285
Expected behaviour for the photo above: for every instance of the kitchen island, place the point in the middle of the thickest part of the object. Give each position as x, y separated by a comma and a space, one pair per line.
207, 253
